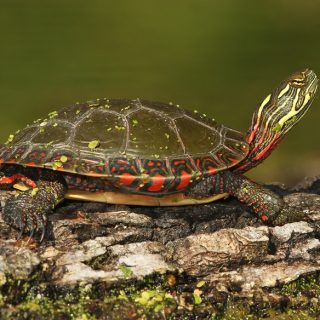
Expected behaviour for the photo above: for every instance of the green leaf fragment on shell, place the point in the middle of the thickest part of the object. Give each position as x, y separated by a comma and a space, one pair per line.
109, 129
63, 159
53, 114
48, 144
10, 139
55, 124
167, 135
42, 124
57, 164
78, 111
93, 144
135, 122
93, 103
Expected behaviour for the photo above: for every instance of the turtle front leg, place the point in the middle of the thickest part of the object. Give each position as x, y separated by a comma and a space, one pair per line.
28, 211
269, 206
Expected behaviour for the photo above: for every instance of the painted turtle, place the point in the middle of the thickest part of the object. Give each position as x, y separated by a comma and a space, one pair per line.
138, 152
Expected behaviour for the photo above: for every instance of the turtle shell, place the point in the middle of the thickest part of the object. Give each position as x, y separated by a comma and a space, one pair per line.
130, 140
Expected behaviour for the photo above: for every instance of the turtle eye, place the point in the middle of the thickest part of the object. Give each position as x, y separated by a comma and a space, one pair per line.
298, 83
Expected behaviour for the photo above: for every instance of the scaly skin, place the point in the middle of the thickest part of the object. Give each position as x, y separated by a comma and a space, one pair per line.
263, 201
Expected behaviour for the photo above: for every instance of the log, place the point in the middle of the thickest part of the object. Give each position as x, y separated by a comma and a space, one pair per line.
222, 243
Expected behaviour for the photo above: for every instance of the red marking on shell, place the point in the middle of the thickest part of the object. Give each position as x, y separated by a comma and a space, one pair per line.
233, 160
113, 169
184, 180
121, 161
151, 163
31, 164
157, 182
127, 178
1, 160
93, 174
264, 218
177, 162
42, 154
11, 161
87, 161
212, 170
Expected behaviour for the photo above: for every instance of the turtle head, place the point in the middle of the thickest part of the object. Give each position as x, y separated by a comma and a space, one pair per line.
277, 114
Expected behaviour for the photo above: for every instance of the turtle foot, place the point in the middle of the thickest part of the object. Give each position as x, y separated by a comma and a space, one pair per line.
288, 215
19, 212
29, 210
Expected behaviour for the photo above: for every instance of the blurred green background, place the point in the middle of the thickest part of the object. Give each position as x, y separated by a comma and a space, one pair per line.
219, 57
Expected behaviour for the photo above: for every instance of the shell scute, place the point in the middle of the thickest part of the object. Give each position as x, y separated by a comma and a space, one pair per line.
103, 126
152, 135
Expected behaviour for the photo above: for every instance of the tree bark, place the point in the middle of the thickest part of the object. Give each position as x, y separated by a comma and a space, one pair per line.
222, 243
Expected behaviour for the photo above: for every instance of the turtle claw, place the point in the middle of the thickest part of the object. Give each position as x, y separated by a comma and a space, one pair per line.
43, 233
31, 233
21, 232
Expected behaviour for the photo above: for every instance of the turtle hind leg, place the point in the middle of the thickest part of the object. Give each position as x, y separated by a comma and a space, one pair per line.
28, 211
269, 206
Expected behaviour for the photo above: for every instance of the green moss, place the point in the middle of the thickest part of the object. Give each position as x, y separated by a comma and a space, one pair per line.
170, 296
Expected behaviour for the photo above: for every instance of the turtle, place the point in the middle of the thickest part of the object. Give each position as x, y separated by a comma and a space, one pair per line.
138, 152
